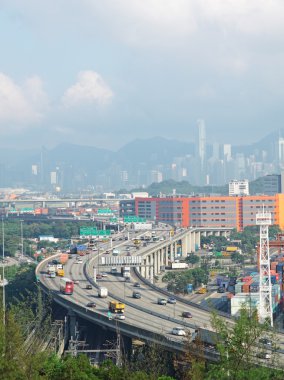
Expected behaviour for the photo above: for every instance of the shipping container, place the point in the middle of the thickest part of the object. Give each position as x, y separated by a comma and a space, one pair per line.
247, 279
273, 265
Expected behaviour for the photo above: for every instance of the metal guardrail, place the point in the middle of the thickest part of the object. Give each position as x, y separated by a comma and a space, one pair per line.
178, 298
138, 307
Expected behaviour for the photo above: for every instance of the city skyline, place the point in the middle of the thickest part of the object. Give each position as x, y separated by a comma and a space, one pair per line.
69, 168
107, 73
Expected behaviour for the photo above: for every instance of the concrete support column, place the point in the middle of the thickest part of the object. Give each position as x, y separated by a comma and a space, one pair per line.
165, 256
151, 268
159, 261
171, 251
72, 323
184, 247
156, 264
193, 242
175, 249
198, 238
143, 268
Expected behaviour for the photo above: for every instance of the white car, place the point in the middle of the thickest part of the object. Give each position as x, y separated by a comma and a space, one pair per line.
80, 261
264, 355
178, 331
121, 317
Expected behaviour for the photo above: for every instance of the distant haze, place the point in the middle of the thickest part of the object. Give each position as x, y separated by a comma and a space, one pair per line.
103, 73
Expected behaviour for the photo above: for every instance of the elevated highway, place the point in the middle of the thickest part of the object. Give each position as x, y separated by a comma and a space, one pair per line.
145, 319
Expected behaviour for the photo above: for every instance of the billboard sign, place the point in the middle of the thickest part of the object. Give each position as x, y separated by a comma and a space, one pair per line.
121, 260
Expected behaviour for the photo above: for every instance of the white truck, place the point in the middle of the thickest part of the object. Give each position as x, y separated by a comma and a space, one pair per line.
51, 268
179, 266
102, 292
125, 271
115, 252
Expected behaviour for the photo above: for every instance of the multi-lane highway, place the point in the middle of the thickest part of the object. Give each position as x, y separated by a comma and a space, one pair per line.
143, 316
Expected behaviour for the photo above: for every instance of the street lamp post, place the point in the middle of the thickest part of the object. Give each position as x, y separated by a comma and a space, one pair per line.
22, 240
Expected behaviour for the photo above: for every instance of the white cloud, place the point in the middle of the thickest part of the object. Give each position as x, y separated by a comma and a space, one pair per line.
252, 17
21, 106
90, 88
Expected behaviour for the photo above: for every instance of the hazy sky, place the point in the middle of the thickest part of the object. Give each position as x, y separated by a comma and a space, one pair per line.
103, 72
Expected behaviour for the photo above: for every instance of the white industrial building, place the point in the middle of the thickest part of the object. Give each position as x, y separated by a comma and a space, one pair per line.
238, 187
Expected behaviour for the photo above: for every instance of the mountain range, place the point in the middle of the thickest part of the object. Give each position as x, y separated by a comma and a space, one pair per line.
90, 161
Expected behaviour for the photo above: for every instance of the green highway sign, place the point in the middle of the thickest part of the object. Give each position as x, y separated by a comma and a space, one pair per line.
88, 231
133, 219
92, 231
27, 209
103, 232
104, 211
114, 220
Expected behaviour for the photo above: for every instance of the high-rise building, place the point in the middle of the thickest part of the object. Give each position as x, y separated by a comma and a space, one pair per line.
201, 156
281, 152
227, 152
201, 142
272, 184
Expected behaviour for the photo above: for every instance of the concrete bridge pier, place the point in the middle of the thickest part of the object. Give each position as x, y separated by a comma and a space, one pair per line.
156, 262
184, 246
152, 269
143, 268
72, 324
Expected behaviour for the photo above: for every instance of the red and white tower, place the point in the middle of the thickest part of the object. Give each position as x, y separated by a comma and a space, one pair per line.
263, 220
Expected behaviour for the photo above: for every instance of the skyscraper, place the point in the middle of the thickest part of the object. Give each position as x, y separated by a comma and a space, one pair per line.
201, 142
281, 152
201, 154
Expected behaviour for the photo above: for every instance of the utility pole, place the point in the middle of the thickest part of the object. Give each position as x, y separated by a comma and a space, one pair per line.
22, 240
3, 271
263, 220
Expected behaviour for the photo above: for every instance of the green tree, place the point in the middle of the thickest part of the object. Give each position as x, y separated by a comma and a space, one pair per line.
237, 258
238, 345
192, 259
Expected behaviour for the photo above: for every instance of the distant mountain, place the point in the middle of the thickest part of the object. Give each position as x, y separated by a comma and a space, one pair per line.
182, 188
267, 143
153, 151
90, 164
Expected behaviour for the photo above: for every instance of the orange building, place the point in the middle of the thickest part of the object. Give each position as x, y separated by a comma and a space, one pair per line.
211, 211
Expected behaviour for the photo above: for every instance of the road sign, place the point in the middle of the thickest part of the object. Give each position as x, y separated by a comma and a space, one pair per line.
105, 211
121, 260
88, 231
27, 209
113, 220
133, 219
103, 233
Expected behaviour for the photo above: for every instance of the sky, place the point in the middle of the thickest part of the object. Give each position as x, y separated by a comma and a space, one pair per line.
103, 73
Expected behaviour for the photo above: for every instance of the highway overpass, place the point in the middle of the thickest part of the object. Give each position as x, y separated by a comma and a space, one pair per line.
145, 319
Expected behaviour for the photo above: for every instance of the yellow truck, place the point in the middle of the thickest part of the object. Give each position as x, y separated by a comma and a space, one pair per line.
116, 307
137, 241
231, 249
202, 290
60, 272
